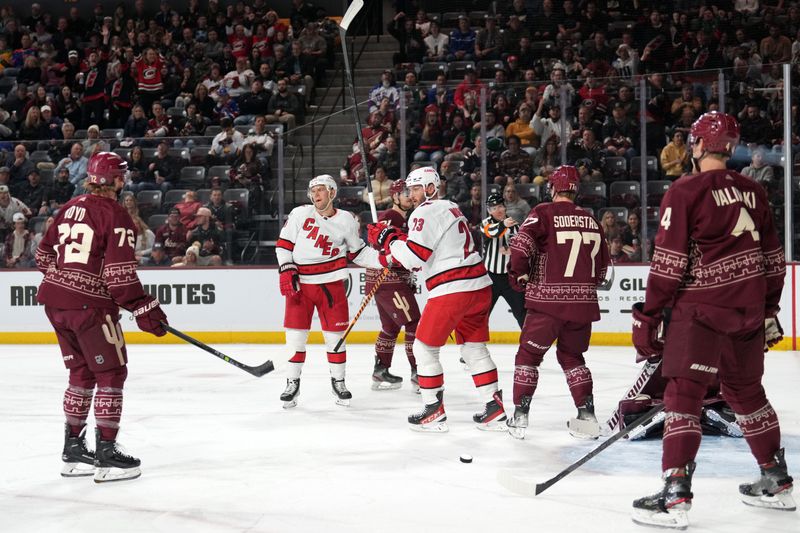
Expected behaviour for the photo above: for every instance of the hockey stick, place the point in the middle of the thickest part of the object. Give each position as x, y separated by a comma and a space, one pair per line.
524, 488
367, 298
347, 19
648, 371
257, 371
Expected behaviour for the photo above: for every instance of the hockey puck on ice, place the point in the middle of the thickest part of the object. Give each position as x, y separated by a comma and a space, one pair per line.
465, 458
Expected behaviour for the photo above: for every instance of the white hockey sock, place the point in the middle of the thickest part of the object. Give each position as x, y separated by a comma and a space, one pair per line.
336, 360
484, 371
429, 371
296, 345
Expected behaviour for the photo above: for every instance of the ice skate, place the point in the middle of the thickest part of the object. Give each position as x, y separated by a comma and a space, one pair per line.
773, 490
382, 379
78, 459
668, 508
431, 419
585, 425
112, 463
720, 421
493, 417
291, 393
654, 428
414, 381
343, 396
518, 423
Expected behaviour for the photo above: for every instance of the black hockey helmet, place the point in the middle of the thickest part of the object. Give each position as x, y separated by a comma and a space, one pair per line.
494, 199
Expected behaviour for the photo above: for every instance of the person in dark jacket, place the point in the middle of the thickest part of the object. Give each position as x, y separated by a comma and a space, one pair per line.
253, 103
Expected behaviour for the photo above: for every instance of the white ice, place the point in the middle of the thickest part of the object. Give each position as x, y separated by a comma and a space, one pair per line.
220, 454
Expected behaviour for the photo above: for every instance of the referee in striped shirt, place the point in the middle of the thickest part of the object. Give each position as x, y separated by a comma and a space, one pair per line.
497, 229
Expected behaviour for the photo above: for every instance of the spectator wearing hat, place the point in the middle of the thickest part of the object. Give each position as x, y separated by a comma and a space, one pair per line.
52, 124
226, 106
17, 102
189, 259
208, 237
489, 42
9, 207
497, 229
436, 44
410, 39
226, 145
172, 235
60, 191
513, 35
283, 107
620, 133
221, 212
675, 156
18, 251
157, 257
515, 164
77, 165
94, 143
33, 194
549, 125
462, 41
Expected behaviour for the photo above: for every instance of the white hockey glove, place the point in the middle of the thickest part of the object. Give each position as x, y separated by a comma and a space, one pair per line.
773, 333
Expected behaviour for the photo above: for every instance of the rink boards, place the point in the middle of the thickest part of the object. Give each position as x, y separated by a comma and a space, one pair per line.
244, 305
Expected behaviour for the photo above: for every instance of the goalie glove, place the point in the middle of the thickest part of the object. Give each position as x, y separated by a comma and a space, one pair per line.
289, 280
645, 334
773, 332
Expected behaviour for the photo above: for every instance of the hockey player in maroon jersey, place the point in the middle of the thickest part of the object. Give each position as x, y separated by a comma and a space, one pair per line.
439, 242
87, 257
397, 305
558, 259
719, 264
313, 249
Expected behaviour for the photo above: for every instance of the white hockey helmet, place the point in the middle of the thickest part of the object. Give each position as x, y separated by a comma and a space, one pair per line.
423, 176
323, 179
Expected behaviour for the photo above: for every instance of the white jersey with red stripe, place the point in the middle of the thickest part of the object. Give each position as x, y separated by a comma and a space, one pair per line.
440, 242
321, 246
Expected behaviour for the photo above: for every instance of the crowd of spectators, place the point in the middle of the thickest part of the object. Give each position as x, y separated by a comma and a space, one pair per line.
562, 79
206, 86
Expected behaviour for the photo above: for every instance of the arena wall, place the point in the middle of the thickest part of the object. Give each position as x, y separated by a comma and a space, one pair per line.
243, 305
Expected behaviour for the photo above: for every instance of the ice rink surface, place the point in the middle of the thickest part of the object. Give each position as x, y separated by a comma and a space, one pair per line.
220, 454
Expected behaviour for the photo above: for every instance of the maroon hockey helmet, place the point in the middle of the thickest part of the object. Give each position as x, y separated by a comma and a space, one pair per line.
719, 131
565, 179
104, 167
398, 187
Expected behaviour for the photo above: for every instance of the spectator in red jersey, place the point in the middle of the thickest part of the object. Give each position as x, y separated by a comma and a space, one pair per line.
149, 71
172, 235
188, 207
240, 42
161, 124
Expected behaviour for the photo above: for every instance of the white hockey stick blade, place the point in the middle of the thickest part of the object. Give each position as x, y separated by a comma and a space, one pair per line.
351, 13
514, 484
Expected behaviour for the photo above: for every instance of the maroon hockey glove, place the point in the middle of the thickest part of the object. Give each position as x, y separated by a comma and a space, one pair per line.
149, 317
289, 280
517, 282
645, 334
773, 332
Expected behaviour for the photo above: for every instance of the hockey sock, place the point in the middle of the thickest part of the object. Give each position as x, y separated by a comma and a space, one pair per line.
526, 378
411, 335
296, 343
78, 398
384, 348
77, 402
336, 360
682, 434
429, 371
762, 432
579, 381
484, 371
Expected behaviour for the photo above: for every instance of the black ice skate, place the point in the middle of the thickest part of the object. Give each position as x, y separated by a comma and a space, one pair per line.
493, 417
668, 508
343, 396
414, 381
113, 464
290, 394
518, 423
432, 418
78, 459
773, 490
585, 425
382, 379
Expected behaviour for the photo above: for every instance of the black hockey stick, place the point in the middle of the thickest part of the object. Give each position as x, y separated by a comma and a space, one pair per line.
257, 371
524, 488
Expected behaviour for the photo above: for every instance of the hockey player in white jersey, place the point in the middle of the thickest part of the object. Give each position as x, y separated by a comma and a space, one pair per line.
313, 250
459, 298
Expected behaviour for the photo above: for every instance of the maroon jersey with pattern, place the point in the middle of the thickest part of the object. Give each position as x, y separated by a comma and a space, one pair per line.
716, 244
87, 257
173, 239
396, 275
562, 249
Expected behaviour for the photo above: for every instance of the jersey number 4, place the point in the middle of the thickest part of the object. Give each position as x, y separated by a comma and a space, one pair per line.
576, 239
